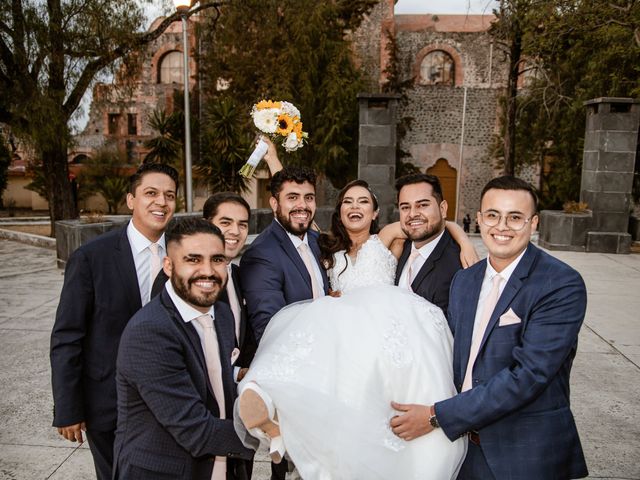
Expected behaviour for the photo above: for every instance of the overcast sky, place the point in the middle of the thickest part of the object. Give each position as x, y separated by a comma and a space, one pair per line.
445, 6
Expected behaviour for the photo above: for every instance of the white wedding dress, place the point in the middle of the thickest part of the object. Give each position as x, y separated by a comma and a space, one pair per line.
333, 366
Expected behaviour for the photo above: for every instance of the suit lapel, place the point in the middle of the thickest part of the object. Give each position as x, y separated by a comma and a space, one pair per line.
511, 289
403, 259
191, 334
127, 270
291, 252
430, 263
243, 311
225, 332
464, 328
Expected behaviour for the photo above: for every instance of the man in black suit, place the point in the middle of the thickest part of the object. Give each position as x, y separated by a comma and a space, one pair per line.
430, 257
174, 370
231, 213
106, 282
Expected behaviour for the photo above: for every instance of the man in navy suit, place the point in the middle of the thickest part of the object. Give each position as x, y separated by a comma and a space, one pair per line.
282, 265
515, 319
273, 272
434, 255
174, 370
106, 281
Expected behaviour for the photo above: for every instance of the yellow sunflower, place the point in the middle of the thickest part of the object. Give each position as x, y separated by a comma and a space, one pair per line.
285, 124
262, 104
297, 128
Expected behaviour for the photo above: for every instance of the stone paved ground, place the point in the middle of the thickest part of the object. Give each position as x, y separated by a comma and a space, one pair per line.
605, 382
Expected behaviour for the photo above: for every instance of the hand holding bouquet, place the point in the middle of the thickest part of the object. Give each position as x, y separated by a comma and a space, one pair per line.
280, 121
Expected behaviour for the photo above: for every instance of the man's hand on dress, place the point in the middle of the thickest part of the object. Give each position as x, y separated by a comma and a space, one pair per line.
412, 423
73, 433
241, 373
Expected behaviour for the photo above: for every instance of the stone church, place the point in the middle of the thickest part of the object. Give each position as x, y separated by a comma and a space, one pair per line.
456, 76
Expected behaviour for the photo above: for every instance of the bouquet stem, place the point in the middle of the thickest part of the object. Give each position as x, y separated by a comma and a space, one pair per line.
258, 154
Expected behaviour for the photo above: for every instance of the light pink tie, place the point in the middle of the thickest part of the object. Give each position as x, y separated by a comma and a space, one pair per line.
214, 369
154, 265
305, 253
234, 303
489, 306
412, 258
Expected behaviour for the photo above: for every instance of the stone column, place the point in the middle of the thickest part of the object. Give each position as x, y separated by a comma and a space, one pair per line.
610, 144
377, 148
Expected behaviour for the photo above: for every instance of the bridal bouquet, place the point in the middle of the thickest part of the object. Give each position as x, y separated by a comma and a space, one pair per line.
279, 120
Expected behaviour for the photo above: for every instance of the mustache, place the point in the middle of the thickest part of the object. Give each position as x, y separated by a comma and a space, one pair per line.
300, 210
210, 278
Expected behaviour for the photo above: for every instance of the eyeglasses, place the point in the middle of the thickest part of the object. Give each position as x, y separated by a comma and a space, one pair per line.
514, 221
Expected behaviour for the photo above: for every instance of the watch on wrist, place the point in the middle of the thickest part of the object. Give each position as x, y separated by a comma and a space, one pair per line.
433, 420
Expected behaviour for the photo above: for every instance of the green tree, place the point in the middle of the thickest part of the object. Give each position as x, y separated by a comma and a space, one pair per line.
296, 51
50, 53
107, 173
575, 50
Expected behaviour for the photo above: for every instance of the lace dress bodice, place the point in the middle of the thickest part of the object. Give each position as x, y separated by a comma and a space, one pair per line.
374, 265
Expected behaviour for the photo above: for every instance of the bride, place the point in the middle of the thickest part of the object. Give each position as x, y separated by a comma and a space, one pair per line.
325, 373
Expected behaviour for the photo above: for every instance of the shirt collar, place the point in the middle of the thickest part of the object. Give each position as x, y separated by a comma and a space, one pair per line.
296, 240
138, 241
428, 248
186, 311
507, 272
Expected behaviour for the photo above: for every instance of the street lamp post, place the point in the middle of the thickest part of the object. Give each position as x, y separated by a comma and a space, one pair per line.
183, 6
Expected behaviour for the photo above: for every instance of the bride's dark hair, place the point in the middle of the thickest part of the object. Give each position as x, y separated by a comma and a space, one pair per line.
338, 238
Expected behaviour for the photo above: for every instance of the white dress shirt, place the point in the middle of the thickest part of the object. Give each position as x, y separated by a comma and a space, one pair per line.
142, 259
297, 241
419, 261
489, 273
188, 313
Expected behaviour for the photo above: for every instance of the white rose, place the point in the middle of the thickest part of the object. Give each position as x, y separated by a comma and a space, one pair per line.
266, 120
290, 109
291, 143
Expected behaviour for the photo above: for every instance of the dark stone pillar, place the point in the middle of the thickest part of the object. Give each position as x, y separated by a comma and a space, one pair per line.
610, 143
377, 148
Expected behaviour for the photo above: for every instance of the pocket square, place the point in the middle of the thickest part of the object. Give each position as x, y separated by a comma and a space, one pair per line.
509, 318
235, 353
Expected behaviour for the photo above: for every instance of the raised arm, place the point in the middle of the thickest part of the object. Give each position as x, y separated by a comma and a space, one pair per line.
393, 238
468, 254
271, 157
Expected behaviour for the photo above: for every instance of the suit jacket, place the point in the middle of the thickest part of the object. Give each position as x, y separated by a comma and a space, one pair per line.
246, 341
519, 402
434, 278
272, 275
168, 417
99, 296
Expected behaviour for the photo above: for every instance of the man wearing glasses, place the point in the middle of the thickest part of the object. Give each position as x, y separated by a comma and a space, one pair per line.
515, 319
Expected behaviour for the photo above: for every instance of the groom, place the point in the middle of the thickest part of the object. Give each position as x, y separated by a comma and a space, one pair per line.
282, 265
515, 319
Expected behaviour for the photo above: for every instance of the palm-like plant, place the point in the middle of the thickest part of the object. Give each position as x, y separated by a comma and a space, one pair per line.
164, 148
106, 174
225, 146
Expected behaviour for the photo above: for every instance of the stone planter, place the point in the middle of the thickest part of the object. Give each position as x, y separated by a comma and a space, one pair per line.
634, 228
70, 234
564, 231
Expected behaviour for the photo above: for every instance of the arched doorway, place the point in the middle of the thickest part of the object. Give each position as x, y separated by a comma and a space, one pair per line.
448, 179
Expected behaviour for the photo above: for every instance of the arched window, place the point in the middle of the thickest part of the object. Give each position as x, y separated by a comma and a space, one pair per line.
437, 68
79, 159
170, 69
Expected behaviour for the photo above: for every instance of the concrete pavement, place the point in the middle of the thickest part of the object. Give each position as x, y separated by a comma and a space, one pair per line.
605, 381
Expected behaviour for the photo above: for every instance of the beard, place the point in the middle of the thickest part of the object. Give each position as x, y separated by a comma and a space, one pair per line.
294, 227
183, 288
430, 231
